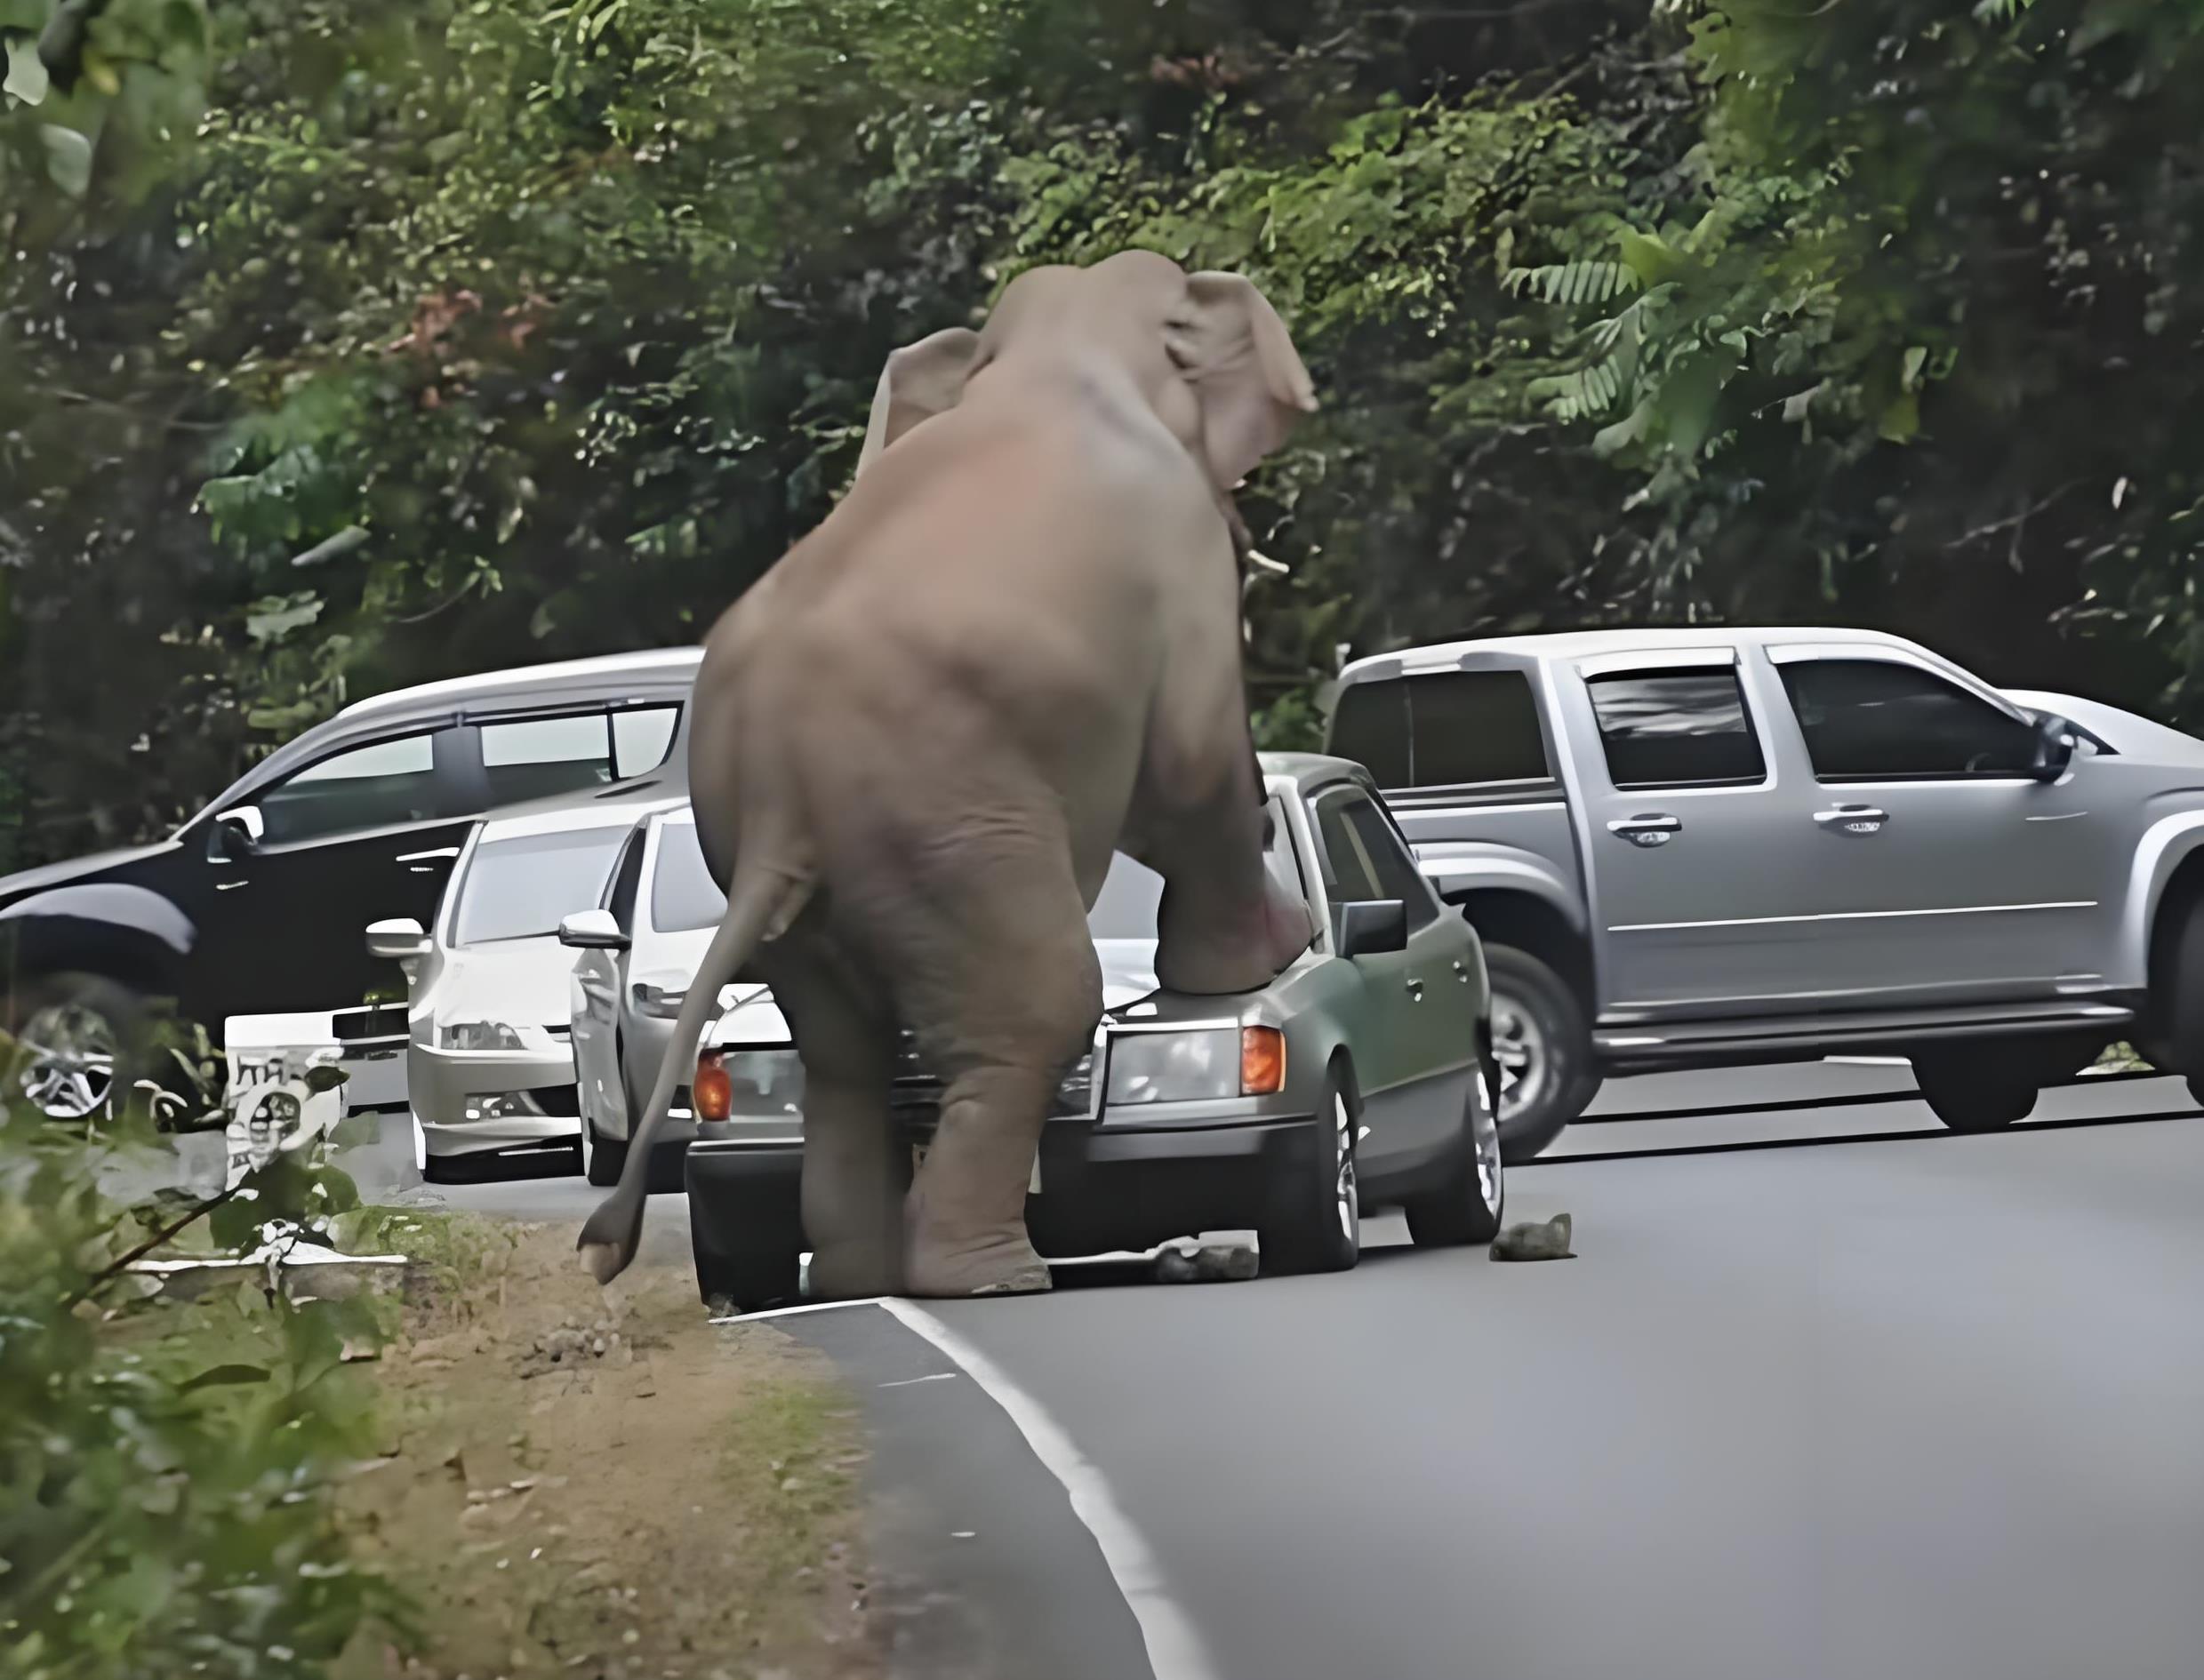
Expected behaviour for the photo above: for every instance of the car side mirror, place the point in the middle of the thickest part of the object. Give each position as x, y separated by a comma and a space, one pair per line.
1370, 928
399, 941
592, 931
236, 836
2055, 745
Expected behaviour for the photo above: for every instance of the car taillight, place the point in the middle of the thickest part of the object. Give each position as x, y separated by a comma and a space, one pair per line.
712, 1092
1261, 1060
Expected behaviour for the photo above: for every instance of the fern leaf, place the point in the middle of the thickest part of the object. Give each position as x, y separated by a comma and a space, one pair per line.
1576, 282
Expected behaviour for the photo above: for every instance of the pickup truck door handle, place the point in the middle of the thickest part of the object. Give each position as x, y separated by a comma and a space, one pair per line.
1852, 820
1653, 830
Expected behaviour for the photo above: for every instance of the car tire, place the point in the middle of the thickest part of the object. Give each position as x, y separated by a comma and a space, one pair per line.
1314, 1218
98, 1029
1543, 1042
1975, 1090
603, 1157
1468, 1210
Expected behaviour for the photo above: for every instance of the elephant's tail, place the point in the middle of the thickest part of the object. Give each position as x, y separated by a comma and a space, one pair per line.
762, 900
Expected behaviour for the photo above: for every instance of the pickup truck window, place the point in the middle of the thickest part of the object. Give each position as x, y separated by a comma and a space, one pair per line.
1442, 729
1676, 728
1870, 720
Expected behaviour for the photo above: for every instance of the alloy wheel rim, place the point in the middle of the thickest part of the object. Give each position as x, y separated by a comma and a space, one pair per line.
1522, 1055
70, 1051
1346, 1196
1484, 1142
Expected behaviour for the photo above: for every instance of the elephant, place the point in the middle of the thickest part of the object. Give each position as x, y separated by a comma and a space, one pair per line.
1013, 648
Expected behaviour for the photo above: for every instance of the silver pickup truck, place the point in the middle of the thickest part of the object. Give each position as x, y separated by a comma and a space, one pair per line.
1693, 847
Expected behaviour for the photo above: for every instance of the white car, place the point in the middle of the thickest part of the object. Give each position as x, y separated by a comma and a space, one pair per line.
488, 1063
639, 948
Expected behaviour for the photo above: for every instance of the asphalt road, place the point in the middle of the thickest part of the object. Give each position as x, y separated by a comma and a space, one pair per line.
1906, 1405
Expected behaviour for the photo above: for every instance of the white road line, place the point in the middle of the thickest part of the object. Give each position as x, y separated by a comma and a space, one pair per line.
789, 1312
1175, 1651
934, 1376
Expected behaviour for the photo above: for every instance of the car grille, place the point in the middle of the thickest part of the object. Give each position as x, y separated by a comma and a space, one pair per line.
915, 1095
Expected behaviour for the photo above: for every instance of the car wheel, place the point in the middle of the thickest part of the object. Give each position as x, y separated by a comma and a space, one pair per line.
1975, 1090
603, 1157
1468, 1211
1542, 1045
1316, 1220
80, 1043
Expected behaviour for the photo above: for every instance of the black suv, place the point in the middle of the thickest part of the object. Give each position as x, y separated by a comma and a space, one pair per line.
255, 905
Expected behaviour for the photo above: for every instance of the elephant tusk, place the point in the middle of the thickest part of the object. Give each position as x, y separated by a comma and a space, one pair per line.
1276, 568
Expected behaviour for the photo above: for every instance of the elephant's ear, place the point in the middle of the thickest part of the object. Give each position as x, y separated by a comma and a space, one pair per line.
919, 381
1233, 348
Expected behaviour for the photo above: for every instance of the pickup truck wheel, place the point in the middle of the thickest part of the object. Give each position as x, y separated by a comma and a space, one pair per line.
1976, 1090
1315, 1223
1467, 1211
1542, 1044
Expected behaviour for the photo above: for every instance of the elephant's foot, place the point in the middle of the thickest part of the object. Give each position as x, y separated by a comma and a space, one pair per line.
853, 1271
1009, 1267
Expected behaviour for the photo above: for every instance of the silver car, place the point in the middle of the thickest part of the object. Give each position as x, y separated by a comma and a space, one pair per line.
1360, 1076
638, 950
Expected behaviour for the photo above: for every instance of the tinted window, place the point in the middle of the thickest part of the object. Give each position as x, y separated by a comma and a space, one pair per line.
539, 756
683, 893
1676, 728
1442, 729
1131, 893
1867, 718
640, 739
1472, 726
523, 888
1391, 860
1370, 725
378, 786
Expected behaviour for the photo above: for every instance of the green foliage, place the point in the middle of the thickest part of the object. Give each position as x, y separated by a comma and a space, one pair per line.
167, 1467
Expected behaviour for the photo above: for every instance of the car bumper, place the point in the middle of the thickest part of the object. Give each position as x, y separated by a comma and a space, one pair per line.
470, 1100
1103, 1188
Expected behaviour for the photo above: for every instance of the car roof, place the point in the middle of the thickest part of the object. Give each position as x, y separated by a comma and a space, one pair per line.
620, 807
651, 673
1569, 645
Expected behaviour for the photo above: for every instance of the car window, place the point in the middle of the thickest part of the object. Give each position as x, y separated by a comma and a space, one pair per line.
525, 887
536, 757
1676, 728
1349, 875
684, 896
627, 877
641, 737
1394, 864
1872, 720
379, 787
1131, 893
1370, 725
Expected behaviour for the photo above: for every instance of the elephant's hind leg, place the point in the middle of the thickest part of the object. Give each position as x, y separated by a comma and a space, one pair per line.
1004, 1002
853, 1173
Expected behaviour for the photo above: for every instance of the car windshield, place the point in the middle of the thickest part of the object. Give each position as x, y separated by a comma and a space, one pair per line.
1132, 892
684, 896
523, 888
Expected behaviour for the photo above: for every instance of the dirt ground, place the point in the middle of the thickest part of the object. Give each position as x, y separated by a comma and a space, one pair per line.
598, 1482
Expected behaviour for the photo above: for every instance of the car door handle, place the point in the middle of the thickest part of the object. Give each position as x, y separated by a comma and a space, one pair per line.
1416, 990
1655, 828
1852, 820
1462, 971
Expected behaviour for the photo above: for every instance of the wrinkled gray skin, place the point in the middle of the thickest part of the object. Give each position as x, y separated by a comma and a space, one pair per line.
1013, 649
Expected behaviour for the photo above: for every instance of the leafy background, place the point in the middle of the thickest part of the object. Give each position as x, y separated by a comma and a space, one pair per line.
346, 346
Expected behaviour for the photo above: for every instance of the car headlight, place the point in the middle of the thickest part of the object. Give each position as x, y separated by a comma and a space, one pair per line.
477, 1035
749, 1082
1189, 1066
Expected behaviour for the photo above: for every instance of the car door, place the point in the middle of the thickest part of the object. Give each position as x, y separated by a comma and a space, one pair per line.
1962, 877
1385, 1045
1690, 849
598, 980
367, 833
